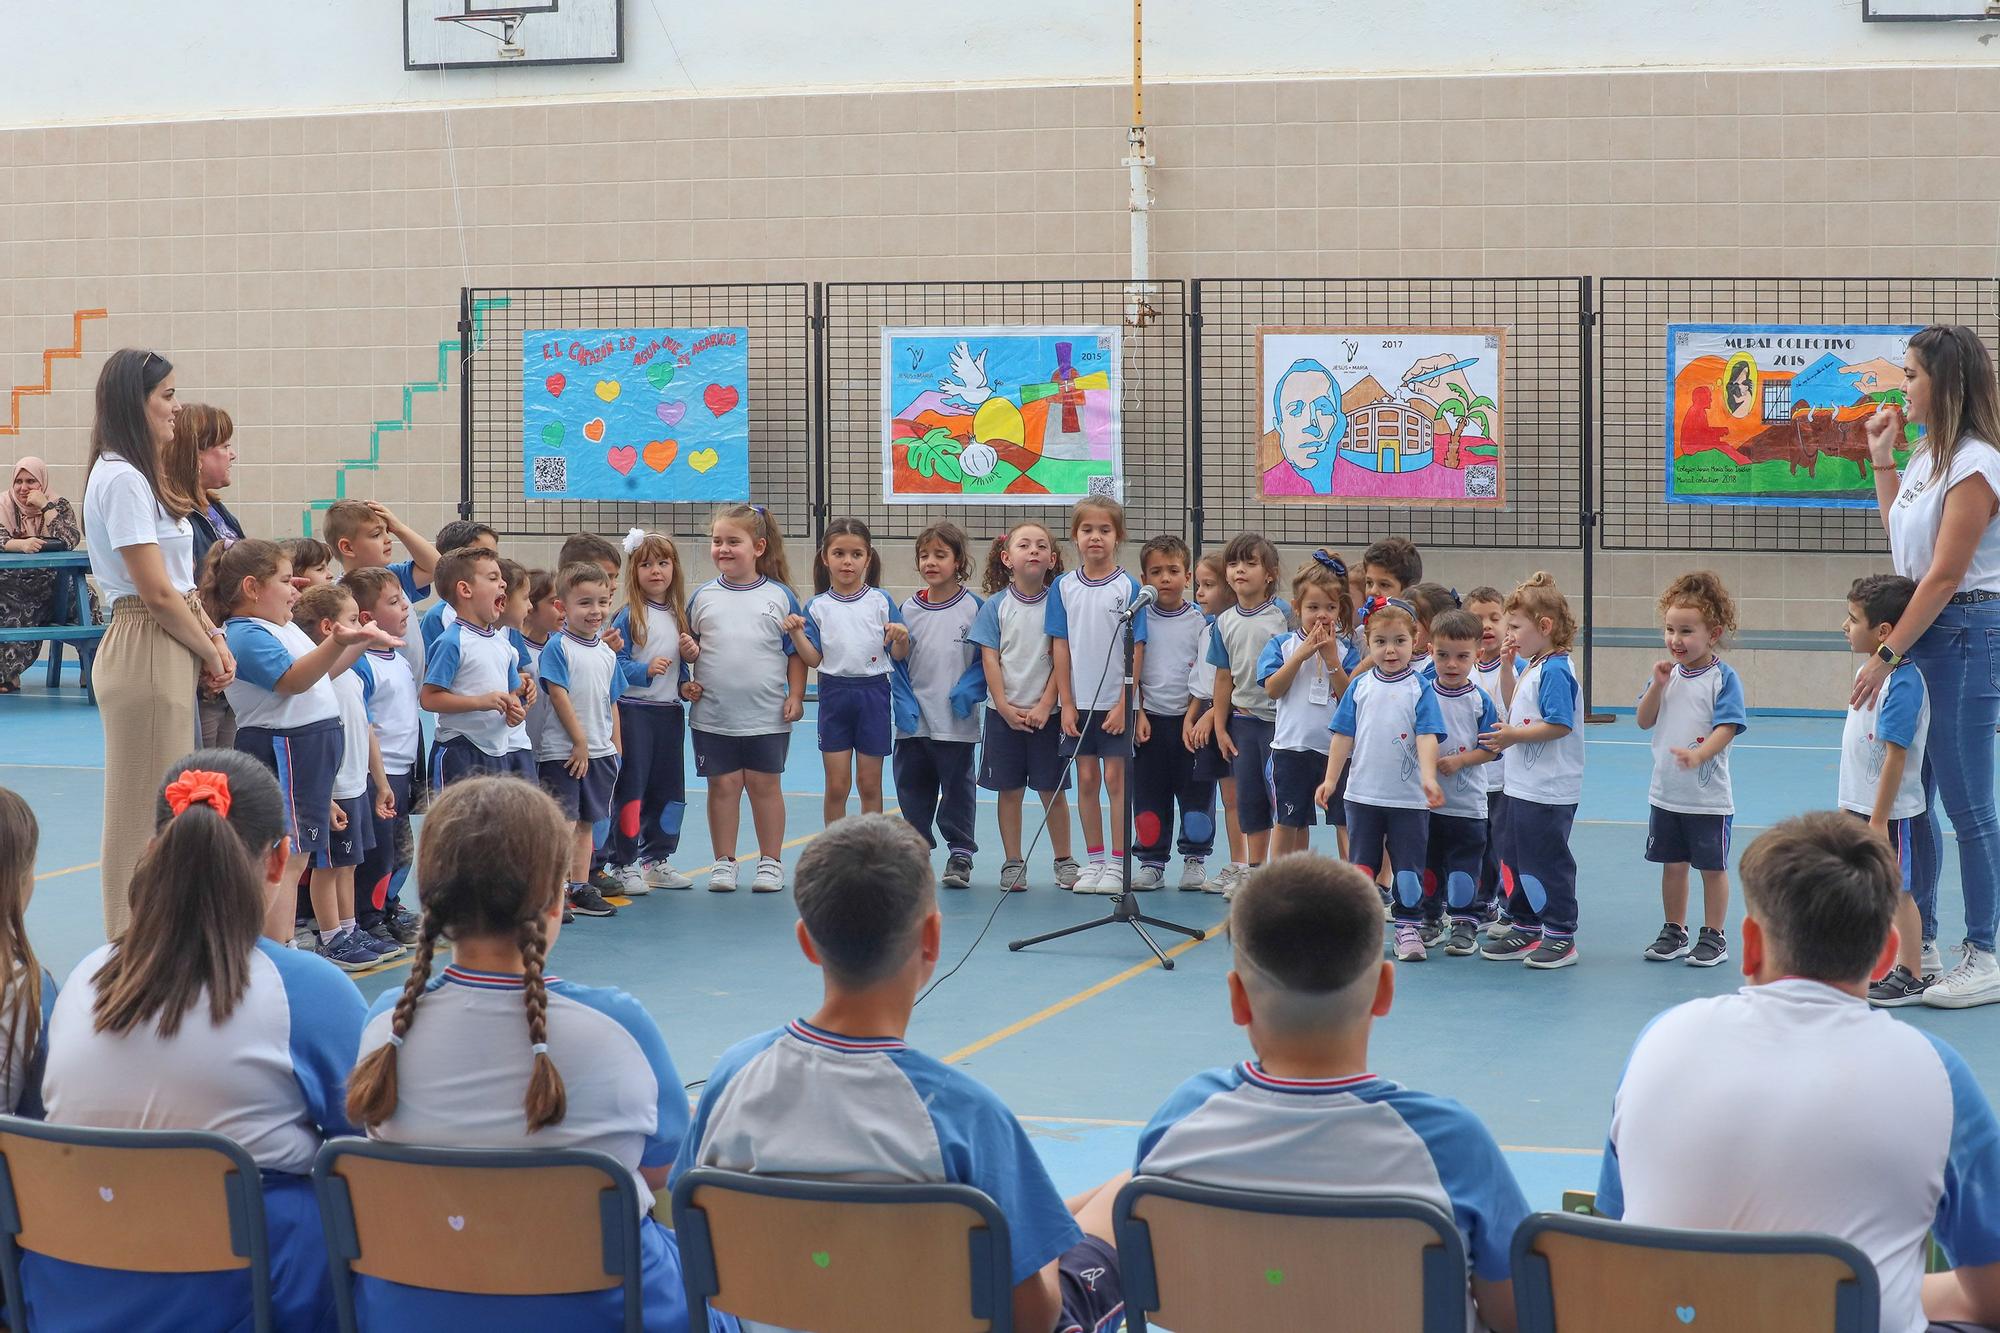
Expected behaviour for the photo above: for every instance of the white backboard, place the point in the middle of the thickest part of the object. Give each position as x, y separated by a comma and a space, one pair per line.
550, 32
1927, 11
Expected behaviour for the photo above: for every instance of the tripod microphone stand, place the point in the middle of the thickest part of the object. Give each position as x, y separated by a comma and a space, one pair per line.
1124, 905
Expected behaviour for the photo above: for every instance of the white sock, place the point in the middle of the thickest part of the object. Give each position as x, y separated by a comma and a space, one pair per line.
347, 923
329, 936
1239, 865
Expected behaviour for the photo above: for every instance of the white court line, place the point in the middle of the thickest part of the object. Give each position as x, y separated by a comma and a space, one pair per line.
1829, 749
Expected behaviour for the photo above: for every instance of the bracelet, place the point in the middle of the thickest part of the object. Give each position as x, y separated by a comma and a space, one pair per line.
218, 635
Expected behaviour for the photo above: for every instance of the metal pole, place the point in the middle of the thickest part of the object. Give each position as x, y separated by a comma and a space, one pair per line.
465, 402
1587, 517
1138, 161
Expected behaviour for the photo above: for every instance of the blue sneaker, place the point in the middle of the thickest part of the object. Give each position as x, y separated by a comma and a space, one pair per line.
382, 939
346, 952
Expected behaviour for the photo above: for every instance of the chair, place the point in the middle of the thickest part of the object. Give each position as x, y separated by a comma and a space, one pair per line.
1204, 1259
1578, 1274
838, 1257
146, 1201
450, 1219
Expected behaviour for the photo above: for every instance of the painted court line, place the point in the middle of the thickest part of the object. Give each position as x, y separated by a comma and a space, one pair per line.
66, 870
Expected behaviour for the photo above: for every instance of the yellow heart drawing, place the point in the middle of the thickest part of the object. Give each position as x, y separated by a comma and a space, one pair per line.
607, 390
701, 460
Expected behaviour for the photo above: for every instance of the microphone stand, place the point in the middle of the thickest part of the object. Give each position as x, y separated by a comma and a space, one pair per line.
1125, 905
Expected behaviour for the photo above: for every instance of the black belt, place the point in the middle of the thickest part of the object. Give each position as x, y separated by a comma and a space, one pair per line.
1973, 598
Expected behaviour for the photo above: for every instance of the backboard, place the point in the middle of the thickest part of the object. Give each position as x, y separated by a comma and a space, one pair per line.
1927, 11
485, 34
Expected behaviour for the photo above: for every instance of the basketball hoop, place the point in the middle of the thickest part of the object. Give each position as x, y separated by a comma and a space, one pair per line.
508, 19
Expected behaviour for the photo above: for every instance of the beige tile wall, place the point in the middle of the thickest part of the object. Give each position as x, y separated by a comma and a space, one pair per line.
301, 270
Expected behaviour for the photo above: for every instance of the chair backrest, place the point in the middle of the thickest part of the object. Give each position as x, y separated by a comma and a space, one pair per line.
1580, 1273
530, 1222
843, 1258
147, 1201
1203, 1259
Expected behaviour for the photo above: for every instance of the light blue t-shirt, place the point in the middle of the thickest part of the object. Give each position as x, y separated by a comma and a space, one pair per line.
1016, 627
587, 671
468, 659
1085, 612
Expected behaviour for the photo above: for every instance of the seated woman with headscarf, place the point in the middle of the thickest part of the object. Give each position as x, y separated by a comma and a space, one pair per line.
31, 521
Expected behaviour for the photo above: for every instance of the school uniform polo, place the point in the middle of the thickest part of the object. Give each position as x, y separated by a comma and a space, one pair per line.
1085, 612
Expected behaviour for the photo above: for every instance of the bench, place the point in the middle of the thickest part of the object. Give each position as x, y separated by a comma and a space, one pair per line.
69, 621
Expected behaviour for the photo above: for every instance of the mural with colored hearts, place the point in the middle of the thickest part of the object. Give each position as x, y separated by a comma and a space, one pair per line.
654, 415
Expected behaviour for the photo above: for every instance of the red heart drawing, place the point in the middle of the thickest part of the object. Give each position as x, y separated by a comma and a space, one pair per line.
555, 384
720, 398
622, 459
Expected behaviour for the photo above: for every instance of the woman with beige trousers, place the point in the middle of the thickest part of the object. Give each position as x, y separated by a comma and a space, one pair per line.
160, 646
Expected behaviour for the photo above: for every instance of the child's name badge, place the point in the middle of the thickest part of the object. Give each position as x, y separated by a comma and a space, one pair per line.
1320, 690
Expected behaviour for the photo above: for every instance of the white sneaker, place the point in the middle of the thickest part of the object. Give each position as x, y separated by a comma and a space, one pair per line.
770, 876
631, 881
1110, 880
660, 875
1933, 962
1975, 981
1194, 874
1147, 878
722, 879
1086, 880
1225, 881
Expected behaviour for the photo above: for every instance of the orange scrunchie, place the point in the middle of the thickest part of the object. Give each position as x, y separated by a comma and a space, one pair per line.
199, 787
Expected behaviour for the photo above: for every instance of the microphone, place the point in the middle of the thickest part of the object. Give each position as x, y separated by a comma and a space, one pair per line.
1147, 595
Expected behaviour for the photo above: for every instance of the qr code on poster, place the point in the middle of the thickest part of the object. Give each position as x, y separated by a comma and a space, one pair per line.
551, 475
1482, 481
1104, 484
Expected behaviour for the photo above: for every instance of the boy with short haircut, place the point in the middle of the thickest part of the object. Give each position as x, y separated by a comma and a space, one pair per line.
578, 756
841, 1096
1764, 1110
595, 549
513, 615
1494, 673
389, 688
1162, 764
1881, 770
1305, 1115
472, 674
363, 535
312, 561
451, 537
1460, 828
1391, 567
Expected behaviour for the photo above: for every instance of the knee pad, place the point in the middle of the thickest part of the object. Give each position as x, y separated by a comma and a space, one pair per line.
1409, 887
1537, 896
1196, 826
1460, 889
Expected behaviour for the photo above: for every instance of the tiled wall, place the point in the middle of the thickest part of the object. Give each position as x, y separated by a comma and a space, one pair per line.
301, 271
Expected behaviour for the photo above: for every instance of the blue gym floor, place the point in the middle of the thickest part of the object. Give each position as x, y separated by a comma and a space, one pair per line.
1084, 1037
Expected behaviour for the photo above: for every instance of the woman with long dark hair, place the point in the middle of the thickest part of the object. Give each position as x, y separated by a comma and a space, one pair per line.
1942, 512
160, 646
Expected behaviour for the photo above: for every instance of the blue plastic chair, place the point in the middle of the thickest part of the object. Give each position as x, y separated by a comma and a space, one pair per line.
1204, 1259
1580, 1274
449, 1219
149, 1201
843, 1258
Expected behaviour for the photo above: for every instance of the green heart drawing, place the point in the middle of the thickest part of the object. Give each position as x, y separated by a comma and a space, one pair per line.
822, 1259
659, 374
1275, 1276
552, 435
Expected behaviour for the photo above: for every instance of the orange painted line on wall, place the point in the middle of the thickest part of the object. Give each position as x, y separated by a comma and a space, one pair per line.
50, 355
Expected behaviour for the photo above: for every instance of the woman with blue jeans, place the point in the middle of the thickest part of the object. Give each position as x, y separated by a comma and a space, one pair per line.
1940, 513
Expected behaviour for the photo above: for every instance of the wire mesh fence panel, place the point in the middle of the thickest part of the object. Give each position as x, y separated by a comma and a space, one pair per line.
778, 317
1632, 347
1545, 414
1153, 404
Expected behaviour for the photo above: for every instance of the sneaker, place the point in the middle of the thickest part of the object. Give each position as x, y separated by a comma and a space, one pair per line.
1710, 948
957, 871
631, 880
585, 900
1225, 881
1110, 880
1672, 944
605, 882
1014, 877
1464, 939
1433, 933
722, 879
1515, 944
660, 875
383, 940
770, 877
1194, 874
1555, 951
305, 937
569, 917
1086, 881
1933, 961
1067, 872
1410, 943
346, 952
1898, 989
1147, 878
405, 925
1498, 925
1975, 981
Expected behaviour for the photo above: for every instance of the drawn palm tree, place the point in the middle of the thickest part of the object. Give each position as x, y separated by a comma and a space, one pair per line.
1462, 409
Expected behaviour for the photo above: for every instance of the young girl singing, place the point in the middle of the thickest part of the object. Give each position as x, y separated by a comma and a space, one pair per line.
935, 762
651, 795
854, 628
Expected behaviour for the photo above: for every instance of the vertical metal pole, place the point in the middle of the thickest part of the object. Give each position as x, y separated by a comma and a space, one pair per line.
1138, 161
1194, 482
818, 408
465, 402
1587, 517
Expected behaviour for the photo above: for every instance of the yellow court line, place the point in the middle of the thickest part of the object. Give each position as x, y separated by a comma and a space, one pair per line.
67, 870
1060, 1006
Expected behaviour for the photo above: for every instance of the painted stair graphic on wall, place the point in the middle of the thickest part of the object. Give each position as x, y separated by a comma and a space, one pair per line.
447, 349
50, 355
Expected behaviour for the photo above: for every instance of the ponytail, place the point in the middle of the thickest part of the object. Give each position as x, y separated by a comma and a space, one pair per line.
547, 1100
223, 572
371, 1088
757, 521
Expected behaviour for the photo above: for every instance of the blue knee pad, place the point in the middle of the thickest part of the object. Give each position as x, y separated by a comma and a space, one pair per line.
1537, 896
1197, 826
1409, 887
1460, 888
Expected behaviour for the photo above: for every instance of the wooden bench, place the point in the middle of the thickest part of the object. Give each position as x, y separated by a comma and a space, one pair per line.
69, 617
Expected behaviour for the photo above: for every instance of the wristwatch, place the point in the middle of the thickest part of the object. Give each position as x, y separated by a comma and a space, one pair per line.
1890, 655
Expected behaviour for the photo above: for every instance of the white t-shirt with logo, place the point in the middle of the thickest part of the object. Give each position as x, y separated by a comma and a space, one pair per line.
1693, 704
1900, 715
119, 511
1547, 772
1016, 627
1085, 612
1918, 512
1386, 715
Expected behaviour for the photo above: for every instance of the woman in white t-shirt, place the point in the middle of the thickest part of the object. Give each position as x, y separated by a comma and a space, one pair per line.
1941, 514
160, 646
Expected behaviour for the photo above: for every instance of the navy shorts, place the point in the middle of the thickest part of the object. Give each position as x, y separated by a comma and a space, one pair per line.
1092, 1294
1010, 760
717, 755
1209, 765
1252, 770
1295, 776
305, 760
854, 715
1094, 740
1336, 811
349, 846
1701, 841
455, 757
584, 800
1902, 834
